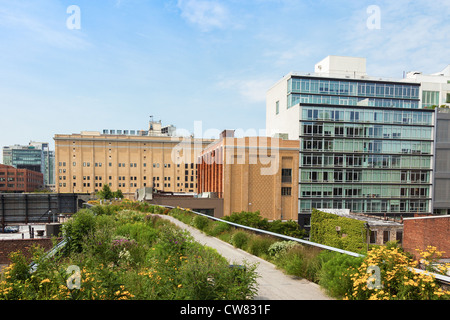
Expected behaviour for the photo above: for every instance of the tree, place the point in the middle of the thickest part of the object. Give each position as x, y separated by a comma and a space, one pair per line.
118, 194
105, 193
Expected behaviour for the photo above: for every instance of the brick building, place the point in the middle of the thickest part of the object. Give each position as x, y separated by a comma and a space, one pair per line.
420, 232
252, 174
127, 160
19, 180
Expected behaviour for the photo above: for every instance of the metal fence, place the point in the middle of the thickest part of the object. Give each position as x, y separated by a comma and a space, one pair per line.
439, 277
24, 208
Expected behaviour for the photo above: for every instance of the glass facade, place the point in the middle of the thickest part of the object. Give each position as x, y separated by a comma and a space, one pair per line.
31, 159
430, 98
365, 146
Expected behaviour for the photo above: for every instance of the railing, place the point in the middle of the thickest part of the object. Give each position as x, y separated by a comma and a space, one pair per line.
33, 266
439, 277
354, 254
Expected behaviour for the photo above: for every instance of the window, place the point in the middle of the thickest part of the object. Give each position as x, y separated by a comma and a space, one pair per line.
386, 236
399, 236
286, 175
373, 237
277, 107
286, 191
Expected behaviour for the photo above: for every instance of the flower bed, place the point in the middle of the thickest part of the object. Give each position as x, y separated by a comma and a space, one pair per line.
122, 253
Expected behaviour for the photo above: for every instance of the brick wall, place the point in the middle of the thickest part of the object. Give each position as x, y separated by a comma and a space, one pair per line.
8, 246
420, 232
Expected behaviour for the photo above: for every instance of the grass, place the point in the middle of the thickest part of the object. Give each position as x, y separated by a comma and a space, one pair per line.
123, 253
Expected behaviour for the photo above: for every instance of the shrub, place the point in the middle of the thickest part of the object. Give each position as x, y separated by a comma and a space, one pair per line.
182, 215
281, 247
395, 278
205, 275
240, 239
217, 228
334, 275
76, 229
259, 245
200, 222
250, 219
301, 261
289, 228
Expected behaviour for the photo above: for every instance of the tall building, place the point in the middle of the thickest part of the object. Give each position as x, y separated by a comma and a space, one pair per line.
35, 156
365, 143
252, 174
127, 160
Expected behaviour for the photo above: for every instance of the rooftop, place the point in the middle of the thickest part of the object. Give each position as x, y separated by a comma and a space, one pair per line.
371, 220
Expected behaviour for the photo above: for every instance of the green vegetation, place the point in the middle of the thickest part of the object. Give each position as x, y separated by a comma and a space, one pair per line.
340, 275
338, 232
127, 251
107, 194
124, 253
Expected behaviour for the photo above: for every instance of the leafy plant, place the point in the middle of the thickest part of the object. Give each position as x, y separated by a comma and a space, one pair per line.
335, 273
250, 219
200, 222
240, 239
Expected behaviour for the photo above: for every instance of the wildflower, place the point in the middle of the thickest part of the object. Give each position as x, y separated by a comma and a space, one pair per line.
45, 281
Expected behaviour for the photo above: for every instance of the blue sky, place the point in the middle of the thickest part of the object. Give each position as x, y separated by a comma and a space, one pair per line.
190, 60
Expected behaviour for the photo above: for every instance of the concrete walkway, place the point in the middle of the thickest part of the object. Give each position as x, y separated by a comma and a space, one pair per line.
273, 284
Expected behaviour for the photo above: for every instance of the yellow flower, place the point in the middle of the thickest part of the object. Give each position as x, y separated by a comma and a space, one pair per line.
45, 281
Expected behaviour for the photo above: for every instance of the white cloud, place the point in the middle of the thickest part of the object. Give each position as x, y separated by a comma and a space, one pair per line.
413, 36
207, 15
252, 90
40, 29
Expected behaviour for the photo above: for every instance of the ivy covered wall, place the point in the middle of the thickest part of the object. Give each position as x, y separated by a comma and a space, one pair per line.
336, 231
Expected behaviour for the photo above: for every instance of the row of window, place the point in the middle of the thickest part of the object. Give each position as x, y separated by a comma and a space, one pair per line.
366, 176
404, 117
366, 205
11, 185
122, 178
362, 191
294, 99
366, 146
123, 165
11, 173
365, 131
123, 185
9, 179
386, 236
352, 88
365, 161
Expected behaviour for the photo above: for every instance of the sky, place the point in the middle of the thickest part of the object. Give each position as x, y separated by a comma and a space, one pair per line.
111, 64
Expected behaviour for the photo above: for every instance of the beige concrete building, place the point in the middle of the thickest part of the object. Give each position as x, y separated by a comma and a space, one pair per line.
252, 174
126, 160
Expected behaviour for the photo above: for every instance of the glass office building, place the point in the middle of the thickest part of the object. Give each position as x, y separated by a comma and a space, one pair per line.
36, 157
366, 145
